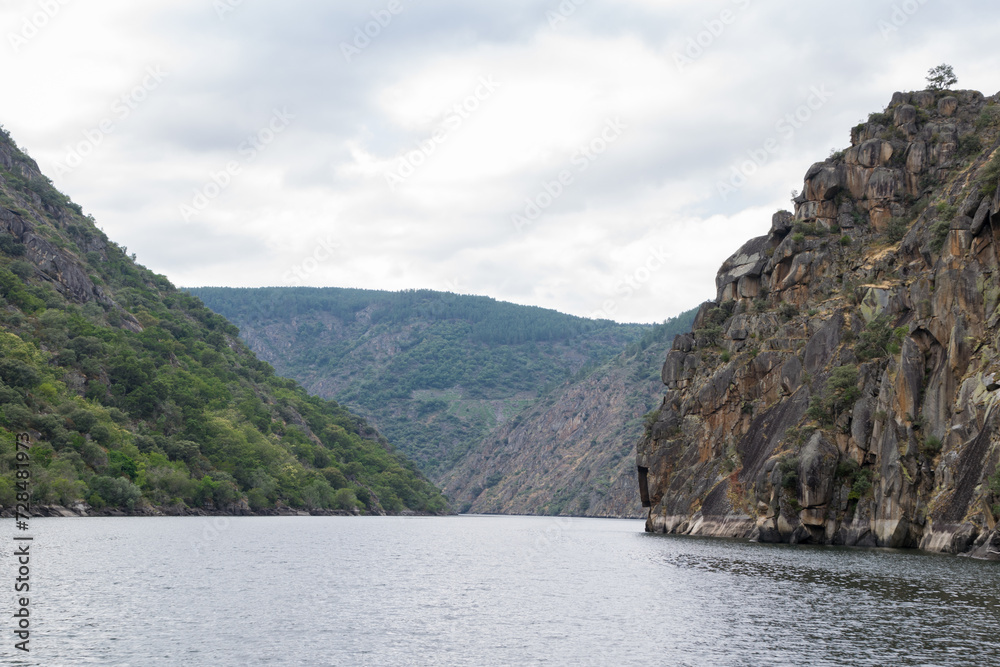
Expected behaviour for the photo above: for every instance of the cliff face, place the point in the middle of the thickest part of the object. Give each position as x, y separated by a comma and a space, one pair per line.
841, 387
569, 454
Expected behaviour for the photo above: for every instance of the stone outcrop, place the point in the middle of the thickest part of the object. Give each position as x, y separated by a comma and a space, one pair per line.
841, 387
58, 266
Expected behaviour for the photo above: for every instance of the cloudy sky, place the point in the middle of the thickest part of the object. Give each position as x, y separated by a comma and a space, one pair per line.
600, 158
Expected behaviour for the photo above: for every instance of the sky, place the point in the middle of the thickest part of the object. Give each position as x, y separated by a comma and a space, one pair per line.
599, 158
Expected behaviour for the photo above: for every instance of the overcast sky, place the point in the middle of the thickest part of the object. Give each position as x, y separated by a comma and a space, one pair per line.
589, 156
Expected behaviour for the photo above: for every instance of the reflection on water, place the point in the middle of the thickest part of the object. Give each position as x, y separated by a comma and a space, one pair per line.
488, 591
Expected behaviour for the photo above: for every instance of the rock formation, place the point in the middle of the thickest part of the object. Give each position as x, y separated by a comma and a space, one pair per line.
841, 388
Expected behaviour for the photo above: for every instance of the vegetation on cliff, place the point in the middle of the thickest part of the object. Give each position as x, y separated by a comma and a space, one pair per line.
138, 395
572, 452
436, 372
840, 388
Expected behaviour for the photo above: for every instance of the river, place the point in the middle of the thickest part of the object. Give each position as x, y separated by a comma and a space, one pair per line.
482, 590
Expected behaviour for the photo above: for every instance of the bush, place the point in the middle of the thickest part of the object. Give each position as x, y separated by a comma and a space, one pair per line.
649, 419
257, 499
862, 485
840, 393
989, 176
880, 118
939, 233
879, 339
789, 469
845, 240
988, 117
115, 491
896, 229
10, 246
969, 145
16, 373
931, 445
344, 499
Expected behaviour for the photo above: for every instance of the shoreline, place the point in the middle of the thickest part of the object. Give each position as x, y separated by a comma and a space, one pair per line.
81, 511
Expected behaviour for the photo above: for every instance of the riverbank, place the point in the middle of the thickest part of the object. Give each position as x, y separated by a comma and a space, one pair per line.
85, 510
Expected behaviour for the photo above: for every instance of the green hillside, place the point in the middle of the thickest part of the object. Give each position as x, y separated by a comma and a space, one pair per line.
436, 372
573, 451
139, 396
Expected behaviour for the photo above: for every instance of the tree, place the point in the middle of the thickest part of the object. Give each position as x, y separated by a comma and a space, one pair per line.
941, 77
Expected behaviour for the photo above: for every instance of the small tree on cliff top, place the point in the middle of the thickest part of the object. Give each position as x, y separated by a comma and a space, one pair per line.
941, 77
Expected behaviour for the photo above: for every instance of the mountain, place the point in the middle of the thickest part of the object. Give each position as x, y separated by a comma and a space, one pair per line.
436, 372
140, 399
841, 388
572, 452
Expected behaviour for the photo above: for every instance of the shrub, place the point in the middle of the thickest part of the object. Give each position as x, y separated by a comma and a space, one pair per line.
862, 484
931, 445
344, 499
939, 233
994, 483
258, 500
879, 339
988, 117
709, 335
649, 419
989, 176
725, 356
789, 469
882, 118
788, 310
841, 393
969, 145
116, 491
845, 240
896, 229
16, 373
798, 237
10, 246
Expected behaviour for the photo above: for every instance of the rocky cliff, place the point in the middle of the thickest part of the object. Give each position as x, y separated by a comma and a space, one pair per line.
841, 387
571, 452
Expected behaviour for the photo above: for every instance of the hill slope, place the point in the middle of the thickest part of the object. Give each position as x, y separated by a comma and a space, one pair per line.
139, 396
436, 372
841, 387
572, 452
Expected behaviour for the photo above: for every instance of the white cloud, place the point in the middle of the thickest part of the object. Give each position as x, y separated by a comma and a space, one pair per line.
448, 225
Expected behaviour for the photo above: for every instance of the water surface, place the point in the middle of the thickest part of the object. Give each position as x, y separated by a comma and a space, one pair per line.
473, 590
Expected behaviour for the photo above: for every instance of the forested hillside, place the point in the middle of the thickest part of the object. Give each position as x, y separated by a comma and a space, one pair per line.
137, 396
435, 371
573, 451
